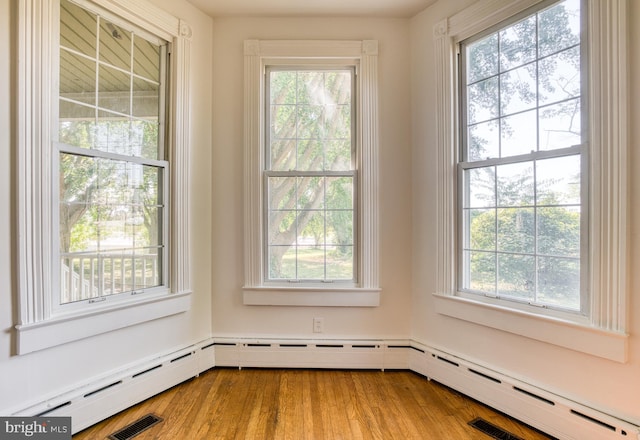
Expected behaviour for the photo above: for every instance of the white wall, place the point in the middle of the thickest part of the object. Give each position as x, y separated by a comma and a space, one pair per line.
29, 378
603, 384
230, 316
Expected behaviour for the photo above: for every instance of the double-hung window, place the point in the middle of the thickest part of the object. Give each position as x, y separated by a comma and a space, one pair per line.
103, 203
311, 193
531, 135
112, 158
522, 164
310, 175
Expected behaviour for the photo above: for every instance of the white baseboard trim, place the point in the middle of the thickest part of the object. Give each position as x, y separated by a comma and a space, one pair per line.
312, 353
540, 408
107, 395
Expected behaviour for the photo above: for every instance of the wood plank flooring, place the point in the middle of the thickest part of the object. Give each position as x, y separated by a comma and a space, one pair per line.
309, 404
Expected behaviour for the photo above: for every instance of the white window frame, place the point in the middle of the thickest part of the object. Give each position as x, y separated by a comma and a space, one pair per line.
603, 332
363, 55
40, 323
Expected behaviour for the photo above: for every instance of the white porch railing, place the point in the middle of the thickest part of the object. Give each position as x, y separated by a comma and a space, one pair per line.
90, 276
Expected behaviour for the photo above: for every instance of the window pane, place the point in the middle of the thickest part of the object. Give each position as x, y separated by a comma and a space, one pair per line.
282, 155
77, 28
483, 141
115, 45
314, 228
146, 99
339, 193
282, 193
283, 87
338, 155
282, 228
518, 90
283, 122
480, 183
113, 134
310, 86
559, 76
310, 155
482, 229
338, 88
114, 90
77, 126
77, 78
310, 121
560, 125
310, 193
516, 276
282, 262
516, 230
559, 231
515, 44
559, 282
483, 100
515, 184
339, 228
338, 122
559, 27
311, 263
340, 263
558, 180
146, 59
518, 134
482, 273
482, 59
144, 140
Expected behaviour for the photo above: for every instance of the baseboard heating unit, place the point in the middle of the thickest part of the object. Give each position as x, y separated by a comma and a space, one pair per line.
543, 409
88, 404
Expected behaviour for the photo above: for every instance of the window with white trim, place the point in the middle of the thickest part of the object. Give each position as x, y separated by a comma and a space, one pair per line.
532, 143
103, 154
522, 158
310, 173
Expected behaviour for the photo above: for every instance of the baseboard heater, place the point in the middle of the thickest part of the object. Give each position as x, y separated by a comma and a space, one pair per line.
542, 409
119, 390
547, 411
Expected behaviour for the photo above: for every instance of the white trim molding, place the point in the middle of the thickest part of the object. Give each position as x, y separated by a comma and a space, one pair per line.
364, 55
607, 136
38, 24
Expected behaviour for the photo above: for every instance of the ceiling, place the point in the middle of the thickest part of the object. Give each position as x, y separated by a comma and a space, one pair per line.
306, 8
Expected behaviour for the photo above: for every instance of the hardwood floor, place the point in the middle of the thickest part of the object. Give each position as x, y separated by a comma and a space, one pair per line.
309, 404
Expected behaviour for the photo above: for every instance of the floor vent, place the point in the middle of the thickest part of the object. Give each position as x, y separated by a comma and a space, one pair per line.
492, 430
136, 427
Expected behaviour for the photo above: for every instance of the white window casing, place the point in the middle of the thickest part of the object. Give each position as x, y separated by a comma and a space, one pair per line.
39, 324
258, 54
603, 332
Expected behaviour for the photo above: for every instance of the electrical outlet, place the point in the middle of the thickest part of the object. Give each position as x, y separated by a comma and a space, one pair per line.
318, 325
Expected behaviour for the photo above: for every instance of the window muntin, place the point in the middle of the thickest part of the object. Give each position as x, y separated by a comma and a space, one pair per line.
310, 175
111, 158
522, 168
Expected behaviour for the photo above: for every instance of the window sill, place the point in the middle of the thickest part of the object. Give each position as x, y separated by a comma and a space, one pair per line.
571, 335
311, 296
60, 330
